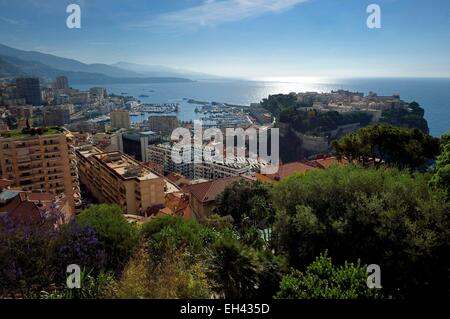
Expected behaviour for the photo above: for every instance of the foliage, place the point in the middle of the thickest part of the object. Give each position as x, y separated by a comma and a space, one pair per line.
245, 200
441, 177
411, 117
117, 236
323, 280
170, 234
219, 223
25, 257
395, 146
271, 271
34, 256
80, 246
385, 217
91, 287
302, 119
234, 268
173, 277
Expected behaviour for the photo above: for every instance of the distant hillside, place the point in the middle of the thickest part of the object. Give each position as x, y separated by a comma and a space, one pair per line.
9, 70
21, 64
65, 64
14, 67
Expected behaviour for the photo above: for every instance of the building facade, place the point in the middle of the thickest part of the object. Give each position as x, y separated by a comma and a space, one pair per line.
30, 89
40, 163
120, 119
61, 83
212, 170
162, 154
117, 178
135, 143
57, 115
163, 125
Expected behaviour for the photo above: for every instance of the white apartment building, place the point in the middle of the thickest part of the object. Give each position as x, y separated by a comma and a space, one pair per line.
162, 154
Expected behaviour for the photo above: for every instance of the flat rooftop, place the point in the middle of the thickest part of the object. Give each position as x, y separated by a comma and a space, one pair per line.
125, 166
89, 151
36, 132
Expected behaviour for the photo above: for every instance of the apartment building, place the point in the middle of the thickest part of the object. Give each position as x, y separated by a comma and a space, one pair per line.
135, 143
30, 90
120, 119
40, 162
163, 125
115, 177
162, 154
57, 115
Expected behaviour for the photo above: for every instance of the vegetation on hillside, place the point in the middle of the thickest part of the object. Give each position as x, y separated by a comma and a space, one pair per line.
386, 144
309, 236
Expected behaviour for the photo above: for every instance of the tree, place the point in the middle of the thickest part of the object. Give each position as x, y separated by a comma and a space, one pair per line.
234, 268
25, 257
400, 147
169, 234
323, 280
381, 216
239, 201
116, 235
411, 117
174, 276
77, 245
441, 177
34, 256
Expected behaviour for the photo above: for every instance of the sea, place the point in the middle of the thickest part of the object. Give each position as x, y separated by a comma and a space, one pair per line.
431, 93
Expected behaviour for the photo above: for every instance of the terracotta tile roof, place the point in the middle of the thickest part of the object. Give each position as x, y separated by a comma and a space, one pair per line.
208, 191
22, 211
36, 197
330, 161
178, 179
290, 169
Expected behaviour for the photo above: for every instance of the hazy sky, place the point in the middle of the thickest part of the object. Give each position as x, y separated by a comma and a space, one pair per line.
245, 38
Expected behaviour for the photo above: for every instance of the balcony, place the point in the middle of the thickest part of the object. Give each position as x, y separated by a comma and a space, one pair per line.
52, 151
56, 158
57, 172
27, 145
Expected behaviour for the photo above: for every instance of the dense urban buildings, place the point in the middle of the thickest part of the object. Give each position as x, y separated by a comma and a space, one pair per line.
211, 170
163, 125
135, 143
120, 119
61, 83
30, 90
57, 115
97, 93
40, 162
24, 207
117, 178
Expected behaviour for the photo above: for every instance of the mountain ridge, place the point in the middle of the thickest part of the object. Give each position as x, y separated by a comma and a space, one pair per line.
18, 63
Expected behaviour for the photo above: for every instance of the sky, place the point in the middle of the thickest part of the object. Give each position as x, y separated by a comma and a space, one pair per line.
254, 39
